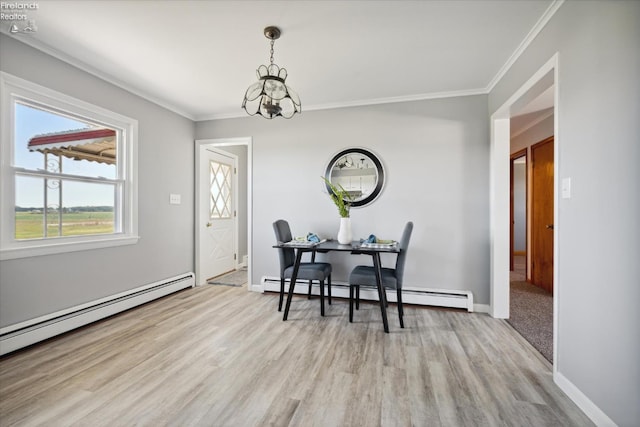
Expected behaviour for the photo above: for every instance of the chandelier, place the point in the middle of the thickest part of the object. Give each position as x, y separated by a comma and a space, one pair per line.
270, 96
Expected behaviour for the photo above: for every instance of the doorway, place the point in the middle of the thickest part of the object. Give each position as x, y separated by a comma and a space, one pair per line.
545, 78
241, 210
217, 222
531, 307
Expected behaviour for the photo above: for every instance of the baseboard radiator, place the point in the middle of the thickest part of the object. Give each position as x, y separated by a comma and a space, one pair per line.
418, 296
32, 331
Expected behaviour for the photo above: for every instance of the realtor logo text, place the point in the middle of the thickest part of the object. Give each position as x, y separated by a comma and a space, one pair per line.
18, 6
16, 11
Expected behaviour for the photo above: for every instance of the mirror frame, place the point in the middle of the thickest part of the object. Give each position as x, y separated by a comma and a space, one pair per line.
379, 168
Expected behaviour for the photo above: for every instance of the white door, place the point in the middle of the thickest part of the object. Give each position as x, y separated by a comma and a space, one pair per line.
217, 215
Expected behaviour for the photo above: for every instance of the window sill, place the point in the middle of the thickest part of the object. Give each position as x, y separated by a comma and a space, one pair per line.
50, 248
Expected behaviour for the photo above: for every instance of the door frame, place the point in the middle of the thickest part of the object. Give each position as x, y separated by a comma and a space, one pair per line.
499, 198
515, 156
219, 143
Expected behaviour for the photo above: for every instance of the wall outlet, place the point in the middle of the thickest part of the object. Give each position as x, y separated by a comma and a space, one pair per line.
174, 199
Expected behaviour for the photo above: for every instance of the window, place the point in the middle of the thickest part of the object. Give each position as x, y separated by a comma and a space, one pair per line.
219, 190
68, 173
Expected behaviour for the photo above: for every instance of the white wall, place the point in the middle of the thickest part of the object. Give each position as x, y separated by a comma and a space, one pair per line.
32, 287
598, 229
436, 157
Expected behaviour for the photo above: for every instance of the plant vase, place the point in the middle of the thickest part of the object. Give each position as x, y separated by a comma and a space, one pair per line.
344, 233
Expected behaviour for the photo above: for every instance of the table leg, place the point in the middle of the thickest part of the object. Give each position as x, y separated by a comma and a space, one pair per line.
381, 293
292, 284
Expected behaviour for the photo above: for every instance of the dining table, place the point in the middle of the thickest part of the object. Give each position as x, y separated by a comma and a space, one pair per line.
355, 248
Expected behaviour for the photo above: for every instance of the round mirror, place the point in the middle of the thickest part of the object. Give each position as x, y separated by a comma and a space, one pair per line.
359, 172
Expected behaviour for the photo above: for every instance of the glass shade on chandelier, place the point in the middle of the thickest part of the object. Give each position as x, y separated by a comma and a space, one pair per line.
270, 96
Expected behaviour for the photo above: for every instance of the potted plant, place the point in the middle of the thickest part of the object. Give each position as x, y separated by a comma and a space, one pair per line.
342, 199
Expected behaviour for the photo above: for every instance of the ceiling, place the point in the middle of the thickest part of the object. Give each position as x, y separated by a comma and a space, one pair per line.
538, 109
197, 58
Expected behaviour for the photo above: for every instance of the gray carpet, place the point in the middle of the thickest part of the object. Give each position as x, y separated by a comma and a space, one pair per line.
531, 314
235, 278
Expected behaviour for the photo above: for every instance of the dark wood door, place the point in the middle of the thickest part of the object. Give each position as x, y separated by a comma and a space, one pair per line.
542, 214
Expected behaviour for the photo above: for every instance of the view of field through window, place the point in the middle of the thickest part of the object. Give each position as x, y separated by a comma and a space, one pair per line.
66, 175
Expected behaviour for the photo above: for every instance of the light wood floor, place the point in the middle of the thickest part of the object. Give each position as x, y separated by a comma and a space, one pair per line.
222, 356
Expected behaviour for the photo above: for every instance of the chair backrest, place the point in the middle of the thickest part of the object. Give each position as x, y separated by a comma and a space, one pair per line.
402, 256
283, 234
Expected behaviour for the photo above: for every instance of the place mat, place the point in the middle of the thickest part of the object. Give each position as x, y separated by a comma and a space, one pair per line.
302, 243
378, 245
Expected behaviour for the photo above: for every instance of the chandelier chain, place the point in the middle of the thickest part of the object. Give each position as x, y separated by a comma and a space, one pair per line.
271, 58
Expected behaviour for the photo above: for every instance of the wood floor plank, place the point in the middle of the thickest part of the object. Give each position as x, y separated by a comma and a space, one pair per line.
218, 355
394, 409
420, 391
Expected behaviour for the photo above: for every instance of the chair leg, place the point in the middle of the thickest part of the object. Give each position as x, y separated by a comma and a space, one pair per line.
329, 288
281, 294
309, 296
351, 294
322, 297
357, 297
400, 309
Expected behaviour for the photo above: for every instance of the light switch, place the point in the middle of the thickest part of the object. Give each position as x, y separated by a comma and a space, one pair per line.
566, 188
174, 199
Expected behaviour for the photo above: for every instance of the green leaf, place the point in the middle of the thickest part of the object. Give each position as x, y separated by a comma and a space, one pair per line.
340, 197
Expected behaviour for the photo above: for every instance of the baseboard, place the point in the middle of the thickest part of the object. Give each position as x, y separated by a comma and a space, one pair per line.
243, 263
410, 295
22, 334
590, 409
482, 308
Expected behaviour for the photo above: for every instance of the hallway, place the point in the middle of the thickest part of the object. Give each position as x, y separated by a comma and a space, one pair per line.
531, 310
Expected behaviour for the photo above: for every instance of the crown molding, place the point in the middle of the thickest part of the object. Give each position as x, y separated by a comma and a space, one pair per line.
362, 103
222, 116
542, 22
396, 99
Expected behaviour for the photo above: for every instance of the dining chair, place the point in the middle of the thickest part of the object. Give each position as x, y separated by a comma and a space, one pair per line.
310, 271
364, 275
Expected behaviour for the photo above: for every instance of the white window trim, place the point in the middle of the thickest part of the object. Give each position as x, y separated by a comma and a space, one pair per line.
13, 88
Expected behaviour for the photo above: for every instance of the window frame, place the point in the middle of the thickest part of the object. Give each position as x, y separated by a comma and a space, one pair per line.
14, 89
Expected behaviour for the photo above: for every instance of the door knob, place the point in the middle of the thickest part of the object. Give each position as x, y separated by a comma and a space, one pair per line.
209, 224
549, 226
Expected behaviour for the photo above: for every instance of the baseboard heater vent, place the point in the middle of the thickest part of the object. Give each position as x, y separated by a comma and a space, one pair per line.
419, 296
32, 331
